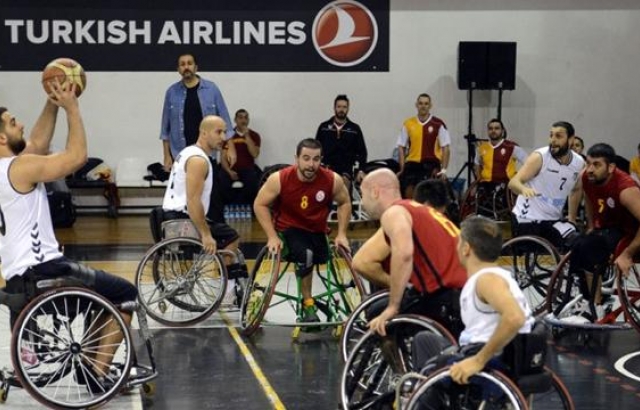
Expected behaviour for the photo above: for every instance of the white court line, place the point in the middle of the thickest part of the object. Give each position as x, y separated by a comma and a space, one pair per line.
619, 366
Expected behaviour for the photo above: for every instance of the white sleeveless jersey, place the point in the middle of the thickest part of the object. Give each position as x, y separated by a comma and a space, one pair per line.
553, 183
175, 197
26, 231
480, 319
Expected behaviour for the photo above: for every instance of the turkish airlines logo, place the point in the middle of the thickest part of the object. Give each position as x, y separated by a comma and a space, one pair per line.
345, 33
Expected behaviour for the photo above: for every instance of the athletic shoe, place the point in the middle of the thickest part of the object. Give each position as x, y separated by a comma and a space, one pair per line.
309, 314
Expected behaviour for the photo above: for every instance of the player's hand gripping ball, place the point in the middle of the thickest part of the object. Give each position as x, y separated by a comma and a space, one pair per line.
64, 69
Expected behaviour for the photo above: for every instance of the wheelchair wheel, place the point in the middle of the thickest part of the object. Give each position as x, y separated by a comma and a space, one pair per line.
356, 324
376, 363
469, 203
270, 170
260, 287
531, 260
486, 390
178, 283
629, 293
54, 349
563, 290
557, 397
350, 287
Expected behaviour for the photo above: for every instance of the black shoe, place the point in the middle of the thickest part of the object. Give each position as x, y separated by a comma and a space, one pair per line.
86, 376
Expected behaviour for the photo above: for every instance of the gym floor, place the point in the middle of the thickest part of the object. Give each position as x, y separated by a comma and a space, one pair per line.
210, 366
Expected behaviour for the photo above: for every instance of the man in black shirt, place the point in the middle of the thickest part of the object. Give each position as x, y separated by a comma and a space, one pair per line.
343, 148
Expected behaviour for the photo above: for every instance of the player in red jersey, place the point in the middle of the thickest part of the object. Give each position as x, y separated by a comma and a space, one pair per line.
420, 243
301, 196
613, 213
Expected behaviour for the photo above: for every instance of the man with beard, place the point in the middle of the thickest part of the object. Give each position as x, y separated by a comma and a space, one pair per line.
495, 165
28, 248
186, 103
343, 148
543, 184
496, 159
613, 214
300, 197
423, 147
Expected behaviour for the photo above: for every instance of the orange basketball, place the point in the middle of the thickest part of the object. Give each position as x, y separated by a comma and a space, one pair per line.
64, 69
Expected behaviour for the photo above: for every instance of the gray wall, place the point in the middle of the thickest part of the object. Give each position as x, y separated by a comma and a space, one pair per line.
576, 61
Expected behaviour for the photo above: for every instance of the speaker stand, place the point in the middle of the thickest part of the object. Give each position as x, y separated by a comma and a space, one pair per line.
471, 144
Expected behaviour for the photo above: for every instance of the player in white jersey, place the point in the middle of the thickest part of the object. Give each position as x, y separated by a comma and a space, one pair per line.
544, 183
493, 308
28, 247
189, 191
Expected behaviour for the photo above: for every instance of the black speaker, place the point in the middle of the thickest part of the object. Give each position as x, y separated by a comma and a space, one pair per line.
501, 69
484, 65
472, 65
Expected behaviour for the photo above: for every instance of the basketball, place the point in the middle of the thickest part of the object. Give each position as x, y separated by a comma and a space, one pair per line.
64, 69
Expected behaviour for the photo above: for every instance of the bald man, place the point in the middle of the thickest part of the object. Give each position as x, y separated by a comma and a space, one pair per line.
422, 255
189, 191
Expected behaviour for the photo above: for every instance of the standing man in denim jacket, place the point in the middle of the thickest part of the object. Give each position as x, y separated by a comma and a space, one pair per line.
186, 103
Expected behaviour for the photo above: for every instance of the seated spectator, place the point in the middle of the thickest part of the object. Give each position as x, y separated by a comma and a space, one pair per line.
240, 182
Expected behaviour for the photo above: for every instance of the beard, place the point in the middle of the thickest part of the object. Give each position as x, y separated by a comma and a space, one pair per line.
562, 151
341, 116
17, 146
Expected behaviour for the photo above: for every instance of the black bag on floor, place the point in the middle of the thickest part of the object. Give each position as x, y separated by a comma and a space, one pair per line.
63, 212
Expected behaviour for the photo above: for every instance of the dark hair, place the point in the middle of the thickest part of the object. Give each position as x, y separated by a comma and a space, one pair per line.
424, 95
188, 54
567, 126
341, 97
2, 111
582, 141
1, 114
433, 192
602, 150
308, 143
484, 236
241, 111
499, 121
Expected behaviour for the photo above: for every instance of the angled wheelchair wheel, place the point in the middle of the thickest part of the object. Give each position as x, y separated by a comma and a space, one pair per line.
376, 363
469, 203
356, 324
563, 290
488, 389
629, 293
259, 291
350, 290
531, 260
178, 283
56, 354
556, 396
270, 170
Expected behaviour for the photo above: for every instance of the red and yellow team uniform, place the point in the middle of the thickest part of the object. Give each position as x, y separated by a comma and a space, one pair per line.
498, 164
435, 240
303, 205
607, 210
424, 144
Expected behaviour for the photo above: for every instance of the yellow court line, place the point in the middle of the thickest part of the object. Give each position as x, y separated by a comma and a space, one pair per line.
262, 379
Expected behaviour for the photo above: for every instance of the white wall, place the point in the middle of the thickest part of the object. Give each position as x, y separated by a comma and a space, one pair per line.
575, 62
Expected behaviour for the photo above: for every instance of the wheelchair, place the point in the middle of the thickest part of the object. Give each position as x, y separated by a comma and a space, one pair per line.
178, 283
493, 200
273, 298
356, 325
564, 296
532, 261
376, 363
54, 347
519, 380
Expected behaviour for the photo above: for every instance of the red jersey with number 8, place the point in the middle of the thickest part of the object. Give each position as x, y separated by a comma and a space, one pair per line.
303, 205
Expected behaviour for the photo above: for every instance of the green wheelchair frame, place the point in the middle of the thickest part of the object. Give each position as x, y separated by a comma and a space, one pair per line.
342, 291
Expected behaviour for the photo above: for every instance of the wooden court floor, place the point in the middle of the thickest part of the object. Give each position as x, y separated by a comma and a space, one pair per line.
211, 367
